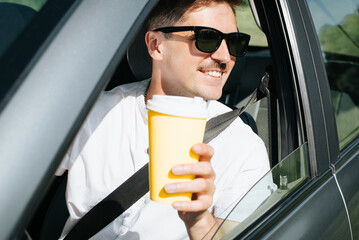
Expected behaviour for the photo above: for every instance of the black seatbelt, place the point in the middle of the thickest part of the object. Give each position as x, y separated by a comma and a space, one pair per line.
137, 185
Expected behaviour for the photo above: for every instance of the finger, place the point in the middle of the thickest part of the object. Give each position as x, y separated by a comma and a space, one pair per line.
194, 205
199, 185
203, 169
204, 151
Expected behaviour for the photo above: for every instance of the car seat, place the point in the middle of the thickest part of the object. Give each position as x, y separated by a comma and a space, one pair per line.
57, 213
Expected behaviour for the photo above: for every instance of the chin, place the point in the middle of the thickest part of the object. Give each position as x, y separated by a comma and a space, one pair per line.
212, 95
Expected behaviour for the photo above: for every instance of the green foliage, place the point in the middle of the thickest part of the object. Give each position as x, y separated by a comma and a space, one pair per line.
245, 3
340, 44
246, 24
342, 38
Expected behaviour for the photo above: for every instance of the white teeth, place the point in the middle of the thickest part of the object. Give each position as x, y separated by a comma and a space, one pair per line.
214, 73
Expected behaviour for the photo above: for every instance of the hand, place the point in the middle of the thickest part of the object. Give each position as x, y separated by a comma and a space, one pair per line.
195, 214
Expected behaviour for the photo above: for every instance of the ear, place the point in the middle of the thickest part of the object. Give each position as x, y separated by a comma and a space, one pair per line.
153, 42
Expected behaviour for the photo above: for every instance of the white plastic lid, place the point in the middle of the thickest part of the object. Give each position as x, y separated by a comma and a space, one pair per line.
178, 106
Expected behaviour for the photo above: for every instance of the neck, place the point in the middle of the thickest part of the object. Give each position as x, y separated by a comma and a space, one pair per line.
153, 88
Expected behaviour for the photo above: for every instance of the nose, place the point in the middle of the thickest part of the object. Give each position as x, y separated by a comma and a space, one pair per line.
222, 53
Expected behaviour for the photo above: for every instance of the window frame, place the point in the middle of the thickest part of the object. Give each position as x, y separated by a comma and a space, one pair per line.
310, 76
285, 22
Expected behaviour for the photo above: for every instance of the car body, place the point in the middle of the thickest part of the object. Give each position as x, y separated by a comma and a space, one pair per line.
55, 67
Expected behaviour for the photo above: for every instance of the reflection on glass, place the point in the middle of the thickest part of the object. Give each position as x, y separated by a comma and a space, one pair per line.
15, 15
282, 180
336, 23
34, 4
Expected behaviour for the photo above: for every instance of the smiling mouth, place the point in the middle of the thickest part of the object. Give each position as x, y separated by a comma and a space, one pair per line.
216, 74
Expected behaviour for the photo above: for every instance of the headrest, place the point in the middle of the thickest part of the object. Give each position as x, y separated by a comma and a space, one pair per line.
138, 58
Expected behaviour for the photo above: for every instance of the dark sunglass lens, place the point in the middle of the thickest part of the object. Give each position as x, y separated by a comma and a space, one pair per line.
207, 40
237, 44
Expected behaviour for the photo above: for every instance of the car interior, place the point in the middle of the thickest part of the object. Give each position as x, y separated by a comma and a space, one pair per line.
272, 118
135, 66
50, 217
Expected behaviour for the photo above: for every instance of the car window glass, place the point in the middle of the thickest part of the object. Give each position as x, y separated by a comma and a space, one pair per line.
336, 23
34, 4
284, 179
15, 15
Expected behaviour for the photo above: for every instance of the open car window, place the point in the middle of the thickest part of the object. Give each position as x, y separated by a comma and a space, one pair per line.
284, 179
248, 72
247, 24
292, 171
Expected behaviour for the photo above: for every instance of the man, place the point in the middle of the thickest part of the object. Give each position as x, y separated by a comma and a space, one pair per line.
113, 142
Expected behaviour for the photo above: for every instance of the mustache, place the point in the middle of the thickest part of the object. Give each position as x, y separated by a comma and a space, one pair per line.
221, 66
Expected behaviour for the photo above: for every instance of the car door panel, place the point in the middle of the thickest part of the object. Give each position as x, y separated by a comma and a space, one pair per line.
313, 83
319, 215
348, 179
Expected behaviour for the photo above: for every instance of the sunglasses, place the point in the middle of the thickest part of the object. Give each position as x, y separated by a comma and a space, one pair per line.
209, 39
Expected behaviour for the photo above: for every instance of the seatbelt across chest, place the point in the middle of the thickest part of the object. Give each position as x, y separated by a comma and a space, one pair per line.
137, 185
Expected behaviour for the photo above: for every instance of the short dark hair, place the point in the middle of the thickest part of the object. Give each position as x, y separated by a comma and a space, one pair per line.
169, 12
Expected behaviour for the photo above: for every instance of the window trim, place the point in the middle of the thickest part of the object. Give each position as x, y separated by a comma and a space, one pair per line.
311, 76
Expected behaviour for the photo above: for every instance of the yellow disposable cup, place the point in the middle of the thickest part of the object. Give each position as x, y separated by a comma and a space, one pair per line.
171, 138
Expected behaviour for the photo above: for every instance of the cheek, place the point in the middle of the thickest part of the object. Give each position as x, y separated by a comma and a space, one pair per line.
183, 64
232, 62
185, 54
230, 65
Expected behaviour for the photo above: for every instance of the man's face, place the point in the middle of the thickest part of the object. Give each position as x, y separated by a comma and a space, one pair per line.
186, 71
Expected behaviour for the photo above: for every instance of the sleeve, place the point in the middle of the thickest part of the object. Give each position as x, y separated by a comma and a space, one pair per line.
105, 103
91, 122
75, 149
62, 167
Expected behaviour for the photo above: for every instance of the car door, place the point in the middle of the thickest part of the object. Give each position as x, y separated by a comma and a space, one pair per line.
52, 71
336, 28
320, 203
